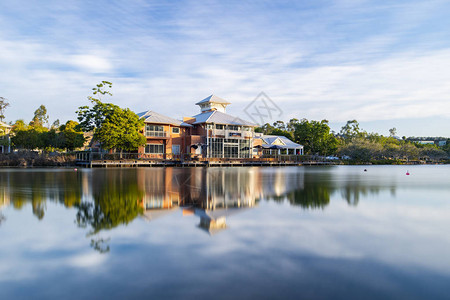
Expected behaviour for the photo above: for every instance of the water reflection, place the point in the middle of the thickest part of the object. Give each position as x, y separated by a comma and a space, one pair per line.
115, 201
105, 199
22, 187
288, 233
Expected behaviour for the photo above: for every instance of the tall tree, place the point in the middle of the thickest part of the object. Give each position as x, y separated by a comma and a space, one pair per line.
91, 118
290, 126
3, 105
351, 130
120, 130
40, 117
113, 127
279, 125
71, 135
392, 132
315, 136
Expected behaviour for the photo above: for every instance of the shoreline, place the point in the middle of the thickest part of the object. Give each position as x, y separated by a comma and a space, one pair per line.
44, 160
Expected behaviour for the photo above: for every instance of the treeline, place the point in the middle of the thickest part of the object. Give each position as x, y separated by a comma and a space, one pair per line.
37, 136
111, 127
354, 143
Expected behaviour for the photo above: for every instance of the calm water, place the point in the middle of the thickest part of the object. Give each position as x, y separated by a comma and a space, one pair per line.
221, 233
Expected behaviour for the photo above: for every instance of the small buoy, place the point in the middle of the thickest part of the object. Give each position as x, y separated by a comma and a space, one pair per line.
75, 169
365, 170
407, 172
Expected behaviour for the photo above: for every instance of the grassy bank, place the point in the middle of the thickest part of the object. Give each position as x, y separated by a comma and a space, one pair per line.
33, 159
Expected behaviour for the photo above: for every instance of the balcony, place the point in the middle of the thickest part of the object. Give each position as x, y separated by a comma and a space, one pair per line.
157, 134
231, 133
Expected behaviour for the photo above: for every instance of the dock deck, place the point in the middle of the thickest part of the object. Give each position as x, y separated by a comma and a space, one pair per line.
164, 163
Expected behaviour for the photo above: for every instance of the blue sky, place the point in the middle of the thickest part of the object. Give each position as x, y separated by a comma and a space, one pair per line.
383, 63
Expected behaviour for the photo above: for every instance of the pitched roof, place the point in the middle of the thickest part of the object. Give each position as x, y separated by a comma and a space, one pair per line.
270, 139
2, 124
154, 117
213, 99
218, 117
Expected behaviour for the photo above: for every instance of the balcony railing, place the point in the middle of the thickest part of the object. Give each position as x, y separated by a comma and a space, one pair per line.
156, 134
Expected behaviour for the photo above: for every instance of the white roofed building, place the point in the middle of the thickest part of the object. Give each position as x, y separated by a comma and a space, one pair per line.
221, 135
277, 144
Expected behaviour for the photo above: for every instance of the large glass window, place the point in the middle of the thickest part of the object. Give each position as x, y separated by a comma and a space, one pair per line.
175, 130
229, 148
216, 147
154, 148
154, 130
175, 149
244, 149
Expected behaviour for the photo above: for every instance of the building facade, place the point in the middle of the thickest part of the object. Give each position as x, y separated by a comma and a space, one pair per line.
223, 135
5, 141
211, 134
167, 138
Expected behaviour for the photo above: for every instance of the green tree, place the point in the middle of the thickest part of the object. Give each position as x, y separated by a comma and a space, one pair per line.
316, 137
281, 132
55, 124
113, 127
91, 118
40, 117
120, 130
290, 126
393, 131
3, 105
351, 131
409, 151
71, 135
279, 125
265, 129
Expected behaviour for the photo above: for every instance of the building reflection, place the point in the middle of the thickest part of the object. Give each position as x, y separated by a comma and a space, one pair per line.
107, 198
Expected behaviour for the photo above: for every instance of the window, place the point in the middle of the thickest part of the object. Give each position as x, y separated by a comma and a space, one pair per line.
233, 127
154, 148
175, 130
219, 126
176, 149
154, 130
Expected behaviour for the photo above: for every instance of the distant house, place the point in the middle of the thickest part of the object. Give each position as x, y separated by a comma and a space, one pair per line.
166, 137
274, 144
5, 141
426, 142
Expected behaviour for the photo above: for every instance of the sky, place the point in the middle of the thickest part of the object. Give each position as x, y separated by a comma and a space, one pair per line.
383, 63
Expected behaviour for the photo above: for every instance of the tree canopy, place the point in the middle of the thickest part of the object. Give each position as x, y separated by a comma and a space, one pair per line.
120, 130
315, 136
113, 127
3, 105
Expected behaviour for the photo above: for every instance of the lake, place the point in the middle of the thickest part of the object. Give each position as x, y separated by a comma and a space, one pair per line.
335, 232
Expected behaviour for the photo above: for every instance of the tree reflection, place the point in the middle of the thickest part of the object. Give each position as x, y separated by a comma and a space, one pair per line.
2, 218
116, 201
311, 197
100, 245
36, 187
307, 190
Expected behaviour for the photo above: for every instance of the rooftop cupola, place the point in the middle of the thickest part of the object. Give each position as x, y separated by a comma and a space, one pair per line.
213, 103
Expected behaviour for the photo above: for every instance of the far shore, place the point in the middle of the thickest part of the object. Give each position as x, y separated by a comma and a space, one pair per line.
34, 160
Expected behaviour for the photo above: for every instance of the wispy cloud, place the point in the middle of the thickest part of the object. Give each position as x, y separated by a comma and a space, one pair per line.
340, 60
